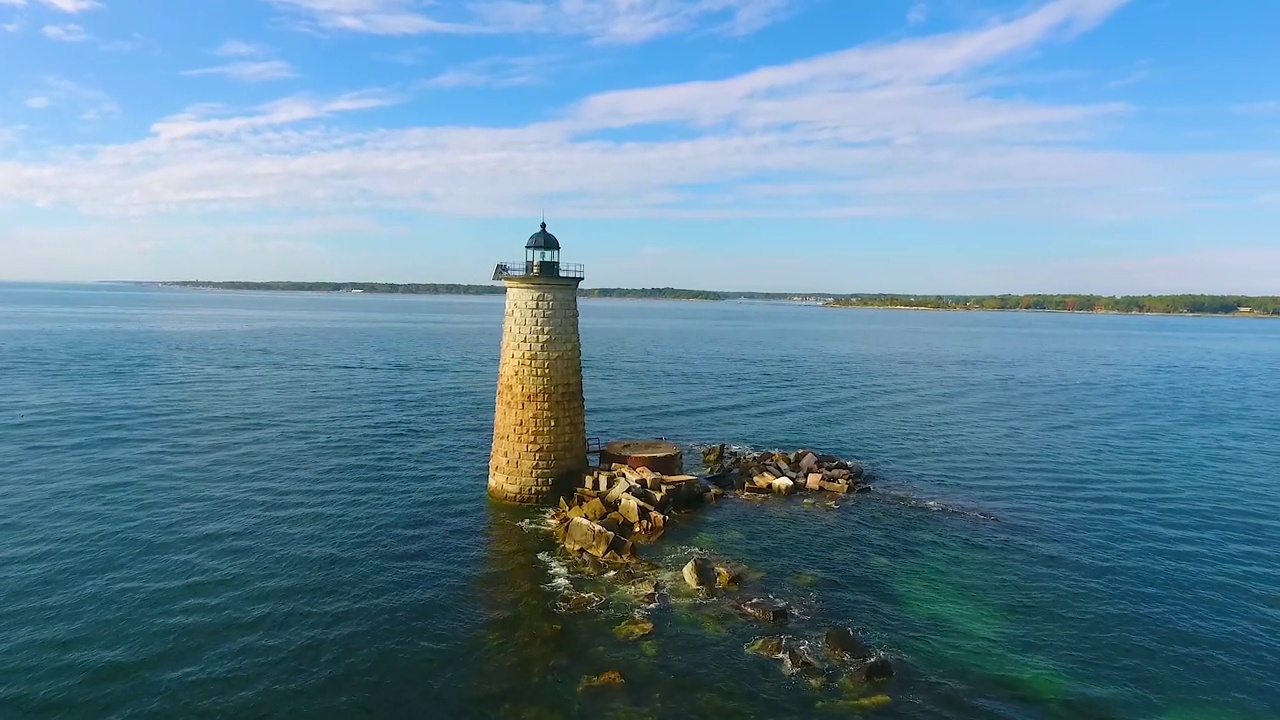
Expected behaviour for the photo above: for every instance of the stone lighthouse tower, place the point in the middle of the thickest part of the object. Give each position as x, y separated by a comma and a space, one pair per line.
539, 426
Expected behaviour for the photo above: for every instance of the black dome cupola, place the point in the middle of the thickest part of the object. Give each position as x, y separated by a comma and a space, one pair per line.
542, 240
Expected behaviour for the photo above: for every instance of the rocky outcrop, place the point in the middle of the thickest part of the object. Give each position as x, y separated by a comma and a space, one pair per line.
782, 473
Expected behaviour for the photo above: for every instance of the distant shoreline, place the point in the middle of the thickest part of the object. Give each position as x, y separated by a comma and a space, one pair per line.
1171, 305
1056, 312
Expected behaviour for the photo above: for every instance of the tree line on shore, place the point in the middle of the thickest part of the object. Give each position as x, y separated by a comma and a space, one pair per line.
1161, 304
1165, 304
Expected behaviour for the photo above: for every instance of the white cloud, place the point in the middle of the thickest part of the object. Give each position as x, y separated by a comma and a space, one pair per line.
918, 13
65, 33
92, 104
1268, 108
214, 120
38, 102
239, 48
73, 6
494, 72
249, 70
67, 6
134, 42
901, 129
617, 21
1132, 78
12, 27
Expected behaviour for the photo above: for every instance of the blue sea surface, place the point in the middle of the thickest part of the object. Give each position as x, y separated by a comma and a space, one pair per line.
272, 505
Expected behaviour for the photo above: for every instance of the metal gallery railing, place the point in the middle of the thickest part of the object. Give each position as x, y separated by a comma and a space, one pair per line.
525, 268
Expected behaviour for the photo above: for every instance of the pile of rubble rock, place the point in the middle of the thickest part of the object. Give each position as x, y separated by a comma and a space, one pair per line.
617, 507
620, 506
783, 474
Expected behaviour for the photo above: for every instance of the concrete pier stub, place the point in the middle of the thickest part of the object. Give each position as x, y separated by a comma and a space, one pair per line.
539, 429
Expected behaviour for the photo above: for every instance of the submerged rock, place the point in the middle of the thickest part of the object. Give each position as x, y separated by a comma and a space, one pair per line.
843, 644
633, 629
855, 706
796, 659
770, 647
604, 679
765, 610
573, 601
877, 670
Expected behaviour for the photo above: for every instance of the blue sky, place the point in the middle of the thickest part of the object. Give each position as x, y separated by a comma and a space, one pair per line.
828, 145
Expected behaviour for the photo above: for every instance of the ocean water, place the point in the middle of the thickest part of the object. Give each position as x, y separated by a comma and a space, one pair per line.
254, 505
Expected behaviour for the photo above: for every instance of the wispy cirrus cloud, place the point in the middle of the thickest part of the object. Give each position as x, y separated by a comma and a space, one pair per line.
91, 103
255, 64
606, 21
71, 7
239, 48
918, 13
1266, 108
211, 120
248, 70
495, 73
65, 33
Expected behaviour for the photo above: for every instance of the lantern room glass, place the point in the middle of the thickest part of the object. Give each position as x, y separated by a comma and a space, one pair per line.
543, 262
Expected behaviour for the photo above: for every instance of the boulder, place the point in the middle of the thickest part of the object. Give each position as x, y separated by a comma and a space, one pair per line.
764, 480
835, 487
808, 463
713, 455
856, 470
629, 509
843, 644
813, 481
726, 577
615, 494
595, 510
757, 490
765, 610
582, 534
700, 574
783, 486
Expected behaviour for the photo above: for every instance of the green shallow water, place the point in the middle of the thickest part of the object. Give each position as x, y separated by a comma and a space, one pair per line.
272, 506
